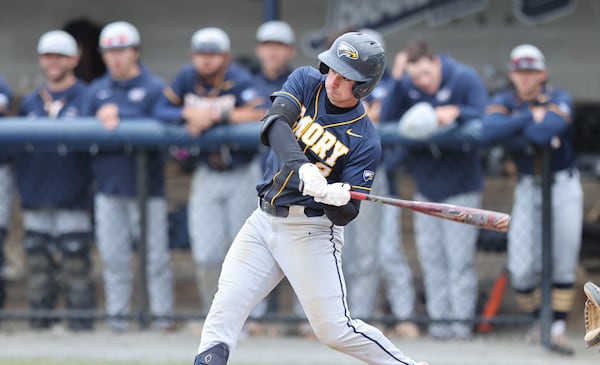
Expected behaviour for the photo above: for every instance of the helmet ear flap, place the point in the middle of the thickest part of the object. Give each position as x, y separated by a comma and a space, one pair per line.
323, 68
360, 89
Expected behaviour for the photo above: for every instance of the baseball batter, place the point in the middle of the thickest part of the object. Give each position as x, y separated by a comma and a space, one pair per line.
543, 114
322, 145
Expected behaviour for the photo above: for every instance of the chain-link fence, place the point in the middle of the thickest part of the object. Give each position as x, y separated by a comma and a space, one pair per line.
79, 253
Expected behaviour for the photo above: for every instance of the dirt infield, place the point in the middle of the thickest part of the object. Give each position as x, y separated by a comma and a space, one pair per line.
180, 347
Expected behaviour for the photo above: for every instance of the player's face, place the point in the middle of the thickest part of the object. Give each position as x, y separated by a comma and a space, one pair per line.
339, 90
209, 65
122, 63
274, 57
528, 82
426, 74
57, 67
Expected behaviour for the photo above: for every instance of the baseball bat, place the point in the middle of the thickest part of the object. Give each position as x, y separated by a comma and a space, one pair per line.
486, 219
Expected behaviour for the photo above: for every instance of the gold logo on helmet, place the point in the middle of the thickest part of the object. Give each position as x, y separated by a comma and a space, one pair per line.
346, 50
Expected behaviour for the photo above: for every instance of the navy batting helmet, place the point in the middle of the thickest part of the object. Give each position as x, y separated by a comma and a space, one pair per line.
356, 56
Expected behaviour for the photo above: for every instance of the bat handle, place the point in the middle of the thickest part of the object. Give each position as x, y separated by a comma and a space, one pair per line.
358, 195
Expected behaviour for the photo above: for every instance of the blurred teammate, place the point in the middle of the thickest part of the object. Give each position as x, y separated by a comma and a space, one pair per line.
211, 91
374, 257
128, 90
543, 114
322, 145
54, 191
6, 188
455, 96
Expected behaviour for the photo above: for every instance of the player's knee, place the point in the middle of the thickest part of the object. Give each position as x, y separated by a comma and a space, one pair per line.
331, 333
76, 253
216, 355
37, 249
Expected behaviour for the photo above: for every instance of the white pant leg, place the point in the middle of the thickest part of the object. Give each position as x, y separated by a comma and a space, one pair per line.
361, 241
396, 273
248, 274
523, 259
460, 246
113, 236
7, 193
309, 252
160, 278
567, 211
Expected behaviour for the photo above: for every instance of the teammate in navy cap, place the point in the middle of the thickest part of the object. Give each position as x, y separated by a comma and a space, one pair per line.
543, 115
322, 145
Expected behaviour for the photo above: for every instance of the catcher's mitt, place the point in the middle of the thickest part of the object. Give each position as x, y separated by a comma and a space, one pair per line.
592, 314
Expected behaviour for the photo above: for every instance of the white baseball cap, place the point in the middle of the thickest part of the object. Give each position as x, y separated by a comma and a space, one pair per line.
418, 122
119, 35
526, 57
210, 40
57, 42
276, 31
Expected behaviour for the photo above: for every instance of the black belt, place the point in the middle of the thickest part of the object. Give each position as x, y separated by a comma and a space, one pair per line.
284, 211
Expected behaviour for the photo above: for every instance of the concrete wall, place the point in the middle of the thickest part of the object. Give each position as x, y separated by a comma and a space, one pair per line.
483, 39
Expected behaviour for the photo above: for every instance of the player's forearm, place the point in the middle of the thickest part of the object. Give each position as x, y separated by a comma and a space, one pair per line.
341, 216
283, 142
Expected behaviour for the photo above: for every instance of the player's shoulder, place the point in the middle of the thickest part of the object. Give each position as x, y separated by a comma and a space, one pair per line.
238, 72
558, 93
503, 97
305, 78
100, 82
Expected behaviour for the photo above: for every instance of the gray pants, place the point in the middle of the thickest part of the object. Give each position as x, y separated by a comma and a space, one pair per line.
220, 202
373, 255
7, 194
447, 257
56, 222
117, 226
524, 236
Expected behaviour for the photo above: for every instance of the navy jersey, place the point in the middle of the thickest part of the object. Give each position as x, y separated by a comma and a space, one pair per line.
187, 89
53, 179
346, 147
5, 105
114, 171
439, 176
553, 129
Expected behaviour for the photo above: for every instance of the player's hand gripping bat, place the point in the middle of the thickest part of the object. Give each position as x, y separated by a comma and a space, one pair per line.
478, 217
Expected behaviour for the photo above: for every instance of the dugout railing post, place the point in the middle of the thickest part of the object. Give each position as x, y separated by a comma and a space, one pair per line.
546, 286
142, 252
